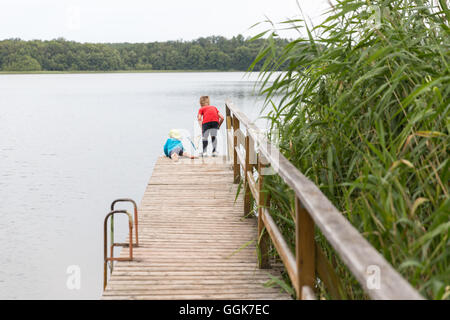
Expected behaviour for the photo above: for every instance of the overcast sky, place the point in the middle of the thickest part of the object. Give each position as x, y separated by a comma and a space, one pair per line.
144, 20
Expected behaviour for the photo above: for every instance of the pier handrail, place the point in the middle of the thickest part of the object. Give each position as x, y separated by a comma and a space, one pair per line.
377, 277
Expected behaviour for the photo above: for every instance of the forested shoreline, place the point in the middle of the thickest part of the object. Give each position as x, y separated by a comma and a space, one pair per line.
211, 53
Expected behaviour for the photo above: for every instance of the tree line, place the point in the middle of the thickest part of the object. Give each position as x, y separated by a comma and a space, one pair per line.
210, 53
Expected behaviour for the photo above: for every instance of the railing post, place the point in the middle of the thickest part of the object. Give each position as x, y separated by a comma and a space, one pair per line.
229, 126
236, 166
248, 169
304, 248
263, 238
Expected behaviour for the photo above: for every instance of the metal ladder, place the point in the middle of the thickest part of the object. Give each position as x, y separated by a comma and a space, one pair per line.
130, 244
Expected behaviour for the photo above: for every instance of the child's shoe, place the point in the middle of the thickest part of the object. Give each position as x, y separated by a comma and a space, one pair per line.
215, 154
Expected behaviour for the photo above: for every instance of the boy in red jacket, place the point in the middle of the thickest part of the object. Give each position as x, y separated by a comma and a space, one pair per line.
210, 120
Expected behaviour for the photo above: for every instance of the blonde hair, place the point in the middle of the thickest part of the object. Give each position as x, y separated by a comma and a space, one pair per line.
174, 133
204, 101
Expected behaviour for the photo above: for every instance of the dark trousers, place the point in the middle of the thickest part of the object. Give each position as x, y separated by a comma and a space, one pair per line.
210, 129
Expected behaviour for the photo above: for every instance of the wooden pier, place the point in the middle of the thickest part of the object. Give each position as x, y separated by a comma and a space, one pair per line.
198, 241
194, 241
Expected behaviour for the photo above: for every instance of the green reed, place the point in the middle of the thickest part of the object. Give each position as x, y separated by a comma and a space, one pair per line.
364, 113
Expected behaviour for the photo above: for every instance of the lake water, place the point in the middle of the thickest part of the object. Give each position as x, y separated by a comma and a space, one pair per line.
72, 143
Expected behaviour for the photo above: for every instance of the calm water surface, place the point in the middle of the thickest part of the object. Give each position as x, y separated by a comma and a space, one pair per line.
69, 145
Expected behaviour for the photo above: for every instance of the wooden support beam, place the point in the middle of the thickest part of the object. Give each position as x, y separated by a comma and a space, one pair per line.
229, 132
236, 166
240, 157
280, 245
263, 237
304, 248
248, 170
327, 274
252, 186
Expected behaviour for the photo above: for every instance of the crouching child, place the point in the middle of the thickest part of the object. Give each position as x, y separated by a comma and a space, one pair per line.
173, 148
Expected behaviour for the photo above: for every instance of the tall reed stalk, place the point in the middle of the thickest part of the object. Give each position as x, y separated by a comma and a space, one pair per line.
364, 113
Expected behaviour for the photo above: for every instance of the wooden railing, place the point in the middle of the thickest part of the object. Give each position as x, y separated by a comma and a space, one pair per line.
249, 151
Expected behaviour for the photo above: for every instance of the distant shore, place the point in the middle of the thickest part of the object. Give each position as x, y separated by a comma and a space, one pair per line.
112, 71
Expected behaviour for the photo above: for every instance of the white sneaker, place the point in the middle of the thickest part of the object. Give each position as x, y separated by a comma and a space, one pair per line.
215, 154
204, 154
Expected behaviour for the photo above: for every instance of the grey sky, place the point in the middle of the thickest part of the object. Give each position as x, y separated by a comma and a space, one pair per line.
143, 21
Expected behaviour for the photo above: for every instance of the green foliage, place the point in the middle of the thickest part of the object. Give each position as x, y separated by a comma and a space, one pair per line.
212, 53
364, 113
21, 63
279, 282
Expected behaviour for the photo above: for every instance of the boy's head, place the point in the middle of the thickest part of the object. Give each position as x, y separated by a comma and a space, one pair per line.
204, 101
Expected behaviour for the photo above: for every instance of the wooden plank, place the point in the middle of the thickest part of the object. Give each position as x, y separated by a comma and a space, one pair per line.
222, 296
190, 277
